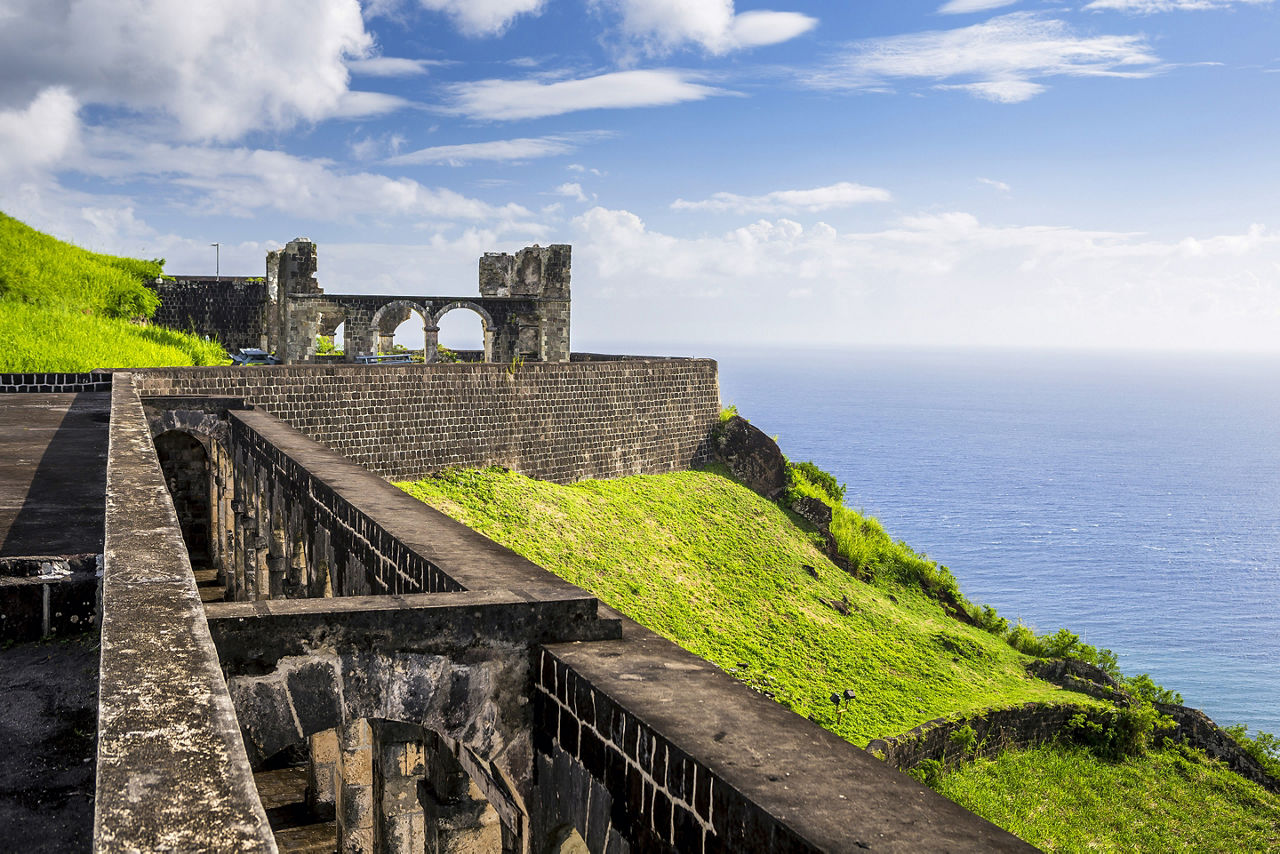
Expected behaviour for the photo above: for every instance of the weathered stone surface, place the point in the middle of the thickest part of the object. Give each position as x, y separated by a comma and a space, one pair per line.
752, 456
558, 422
722, 768
172, 771
818, 513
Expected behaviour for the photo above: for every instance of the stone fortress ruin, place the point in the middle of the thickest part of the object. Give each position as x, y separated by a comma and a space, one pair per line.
270, 603
523, 308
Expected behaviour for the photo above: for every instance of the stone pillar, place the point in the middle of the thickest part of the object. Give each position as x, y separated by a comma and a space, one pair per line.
322, 772
276, 561
398, 768
354, 788
430, 343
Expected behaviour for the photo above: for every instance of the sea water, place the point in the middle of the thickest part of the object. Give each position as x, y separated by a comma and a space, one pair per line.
1134, 499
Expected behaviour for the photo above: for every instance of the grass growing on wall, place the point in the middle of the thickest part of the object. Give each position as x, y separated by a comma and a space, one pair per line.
63, 308
722, 572
1067, 799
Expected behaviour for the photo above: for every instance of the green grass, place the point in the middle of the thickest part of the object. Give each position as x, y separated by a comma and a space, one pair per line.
1067, 799
63, 308
720, 571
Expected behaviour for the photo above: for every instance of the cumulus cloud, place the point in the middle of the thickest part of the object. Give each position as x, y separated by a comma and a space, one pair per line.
529, 99
217, 70
1149, 7
40, 134
999, 185
484, 17
1003, 58
524, 148
842, 194
961, 7
572, 190
660, 26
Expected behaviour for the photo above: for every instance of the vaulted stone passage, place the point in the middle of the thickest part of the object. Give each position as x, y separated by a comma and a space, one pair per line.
185, 464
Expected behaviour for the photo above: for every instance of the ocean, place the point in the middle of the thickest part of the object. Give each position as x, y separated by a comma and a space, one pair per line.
1133, 499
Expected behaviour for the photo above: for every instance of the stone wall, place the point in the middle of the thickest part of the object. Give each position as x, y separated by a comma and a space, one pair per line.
45, 383
1031, 724
556, 421
232, 310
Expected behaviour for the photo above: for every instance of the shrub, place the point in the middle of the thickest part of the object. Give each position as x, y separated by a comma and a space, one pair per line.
817, 477
728, 412
1120, 732
1144, 688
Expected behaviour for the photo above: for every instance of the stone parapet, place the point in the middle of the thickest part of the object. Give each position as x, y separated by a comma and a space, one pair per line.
554, 421
172, 773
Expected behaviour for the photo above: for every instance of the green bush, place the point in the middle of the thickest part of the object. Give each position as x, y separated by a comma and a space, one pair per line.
817, 477
1123, 732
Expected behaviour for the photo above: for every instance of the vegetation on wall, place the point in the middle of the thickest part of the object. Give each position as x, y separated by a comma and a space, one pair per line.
63, 308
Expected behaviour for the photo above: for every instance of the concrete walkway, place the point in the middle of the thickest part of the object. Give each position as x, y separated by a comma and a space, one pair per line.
53, 473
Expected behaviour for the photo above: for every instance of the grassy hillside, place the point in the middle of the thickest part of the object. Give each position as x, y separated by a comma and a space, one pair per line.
63, 308
742, 583
1067, 799
722, 572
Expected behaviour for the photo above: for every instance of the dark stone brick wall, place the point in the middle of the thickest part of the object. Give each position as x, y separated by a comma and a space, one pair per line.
624, 784
231, 309
555, 421
42, 383
362, 556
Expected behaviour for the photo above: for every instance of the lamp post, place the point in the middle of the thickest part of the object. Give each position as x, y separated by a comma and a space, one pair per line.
217, 261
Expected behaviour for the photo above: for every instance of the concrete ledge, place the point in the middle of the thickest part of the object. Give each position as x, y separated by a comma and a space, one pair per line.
687, 758
172, 770
252, 636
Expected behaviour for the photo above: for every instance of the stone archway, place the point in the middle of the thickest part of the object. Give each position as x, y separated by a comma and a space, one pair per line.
486, 323
389, 316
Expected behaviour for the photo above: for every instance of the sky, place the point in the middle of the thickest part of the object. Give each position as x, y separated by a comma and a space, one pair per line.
957, 173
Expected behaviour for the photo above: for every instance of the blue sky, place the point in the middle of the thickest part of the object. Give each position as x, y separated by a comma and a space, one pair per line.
1086, 174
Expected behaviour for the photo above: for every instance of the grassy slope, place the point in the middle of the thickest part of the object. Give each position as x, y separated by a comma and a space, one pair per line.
719, 570
734, 563
1165, 801
63, 308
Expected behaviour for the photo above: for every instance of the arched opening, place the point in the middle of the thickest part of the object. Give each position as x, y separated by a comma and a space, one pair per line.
399, 329
462, 334
409, 335
337, 341
185, 464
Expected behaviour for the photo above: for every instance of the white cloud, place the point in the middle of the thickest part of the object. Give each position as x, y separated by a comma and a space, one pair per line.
243, 181
524, 148
484, 17
572, 190
508, 100
1148, 7
578, 167
1004, 56
660, 26
838, 195
41, 134
999, 185
218, 70
938, 279
391, 66
360, 105
963, 7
